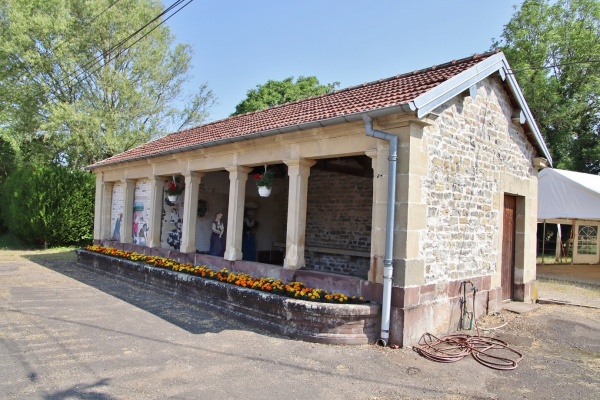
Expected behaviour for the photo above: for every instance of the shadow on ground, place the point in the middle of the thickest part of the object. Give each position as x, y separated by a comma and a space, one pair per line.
192, 317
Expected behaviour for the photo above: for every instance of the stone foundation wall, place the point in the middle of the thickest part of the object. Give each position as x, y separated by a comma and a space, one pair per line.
297, 319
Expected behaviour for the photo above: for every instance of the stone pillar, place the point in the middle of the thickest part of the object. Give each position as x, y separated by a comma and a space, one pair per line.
379, 161
102, 208
107, 191
157, 189
238, 176
411, 209
298, 171
190, 211
128, 211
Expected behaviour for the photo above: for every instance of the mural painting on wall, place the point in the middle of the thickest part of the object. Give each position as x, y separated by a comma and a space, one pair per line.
172, 221
116, 213
117, 231
140, 225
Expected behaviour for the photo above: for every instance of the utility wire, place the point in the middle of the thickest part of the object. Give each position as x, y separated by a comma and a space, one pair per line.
120, 45
514, 71
64, 41
91, 21
103, 11
140, 38
123, 41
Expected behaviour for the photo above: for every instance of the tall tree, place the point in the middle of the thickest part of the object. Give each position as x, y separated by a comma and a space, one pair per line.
554, 50
274, 92
74, 89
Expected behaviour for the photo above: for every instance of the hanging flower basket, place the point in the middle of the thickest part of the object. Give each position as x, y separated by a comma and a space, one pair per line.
264, 182
174, 189
264, 191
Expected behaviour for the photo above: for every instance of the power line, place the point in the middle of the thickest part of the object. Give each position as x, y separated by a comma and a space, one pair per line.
103, 11
115, 47
91, 21
119, 46
140, 38
514, 71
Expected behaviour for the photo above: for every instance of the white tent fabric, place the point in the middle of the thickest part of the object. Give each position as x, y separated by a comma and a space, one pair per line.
568, 195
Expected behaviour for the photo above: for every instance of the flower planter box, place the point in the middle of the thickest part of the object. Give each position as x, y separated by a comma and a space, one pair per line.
296, 319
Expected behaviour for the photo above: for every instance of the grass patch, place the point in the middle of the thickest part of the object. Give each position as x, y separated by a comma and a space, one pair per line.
55, 254
12, 249
568, 287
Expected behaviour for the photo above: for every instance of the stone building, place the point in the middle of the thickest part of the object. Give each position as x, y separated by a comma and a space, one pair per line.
406, 190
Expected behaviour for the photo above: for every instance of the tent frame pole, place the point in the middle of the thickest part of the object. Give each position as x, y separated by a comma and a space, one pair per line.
544, 243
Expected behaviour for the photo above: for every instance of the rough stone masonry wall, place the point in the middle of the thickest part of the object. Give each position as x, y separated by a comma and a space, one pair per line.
339, 217
472, 147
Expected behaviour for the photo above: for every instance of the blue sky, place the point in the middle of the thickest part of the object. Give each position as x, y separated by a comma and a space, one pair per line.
239, 44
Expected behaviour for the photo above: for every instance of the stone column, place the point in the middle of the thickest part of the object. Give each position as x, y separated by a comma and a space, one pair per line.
102, 208
298, 172
379, 161
238, 176
128, 211
157, 188
106, 209
411, 209
190, 211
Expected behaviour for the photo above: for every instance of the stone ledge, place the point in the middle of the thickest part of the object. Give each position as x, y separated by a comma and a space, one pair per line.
352, 324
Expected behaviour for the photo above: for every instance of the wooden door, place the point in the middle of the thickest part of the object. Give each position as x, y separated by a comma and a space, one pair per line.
508, 247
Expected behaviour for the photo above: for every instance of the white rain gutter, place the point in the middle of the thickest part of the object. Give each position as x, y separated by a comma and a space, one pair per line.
388, 267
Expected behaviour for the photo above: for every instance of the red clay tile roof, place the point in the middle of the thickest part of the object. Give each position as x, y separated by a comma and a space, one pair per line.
394, 91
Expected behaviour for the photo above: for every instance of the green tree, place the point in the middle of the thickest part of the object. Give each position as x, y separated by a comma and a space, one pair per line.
7, 165
273, 93
554, 50
74, 91
60, 213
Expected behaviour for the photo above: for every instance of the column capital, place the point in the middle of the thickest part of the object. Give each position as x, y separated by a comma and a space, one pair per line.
193, 174
238, 168
302, 162
372, 153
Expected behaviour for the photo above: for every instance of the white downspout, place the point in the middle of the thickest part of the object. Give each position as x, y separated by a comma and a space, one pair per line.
388, 267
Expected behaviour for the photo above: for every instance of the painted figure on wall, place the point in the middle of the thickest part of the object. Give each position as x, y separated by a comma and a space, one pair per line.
139, 223
216, 238
139, 230
117, 231
142, 234
249, 239
174, 238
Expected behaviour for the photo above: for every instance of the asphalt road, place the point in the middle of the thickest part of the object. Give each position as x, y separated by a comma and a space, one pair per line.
68, 333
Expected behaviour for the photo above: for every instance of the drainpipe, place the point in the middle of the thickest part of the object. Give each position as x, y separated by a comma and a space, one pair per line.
388, 267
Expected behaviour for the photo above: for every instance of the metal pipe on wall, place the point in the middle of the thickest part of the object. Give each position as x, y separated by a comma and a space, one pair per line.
388, 267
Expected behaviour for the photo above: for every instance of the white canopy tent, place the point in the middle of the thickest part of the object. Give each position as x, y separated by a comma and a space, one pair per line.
572, 198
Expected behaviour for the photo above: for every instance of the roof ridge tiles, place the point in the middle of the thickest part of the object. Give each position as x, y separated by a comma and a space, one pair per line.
354, 87
350, 100
364, 84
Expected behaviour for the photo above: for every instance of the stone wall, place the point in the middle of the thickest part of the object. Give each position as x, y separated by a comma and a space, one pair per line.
352, 324
473, 146
339, 218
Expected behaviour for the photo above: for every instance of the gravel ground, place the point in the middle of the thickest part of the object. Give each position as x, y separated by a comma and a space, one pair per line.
67, 333
581, 294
